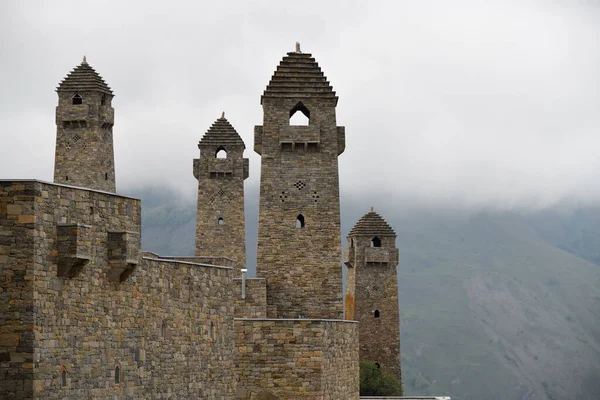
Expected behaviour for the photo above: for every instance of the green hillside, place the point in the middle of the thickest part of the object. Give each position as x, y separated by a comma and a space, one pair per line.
493, 305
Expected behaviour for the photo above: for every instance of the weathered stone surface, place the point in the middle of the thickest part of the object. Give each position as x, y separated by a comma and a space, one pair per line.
84, 132
255, 303
220, 223
299, 179
169, 325
297, 358
372, 290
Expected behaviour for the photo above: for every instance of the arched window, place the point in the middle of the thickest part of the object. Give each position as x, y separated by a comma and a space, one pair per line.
376, 314
117, 374
299, 118
351, 242
63, 377
221, 221
77, 99
221, 152
377, 364
376, 242
103, 100
300, 221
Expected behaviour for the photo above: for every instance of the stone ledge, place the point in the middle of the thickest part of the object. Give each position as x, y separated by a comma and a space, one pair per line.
185, 262
296, 320
66, 186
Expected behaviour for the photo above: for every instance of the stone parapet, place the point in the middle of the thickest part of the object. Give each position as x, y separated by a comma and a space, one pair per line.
297, 358
168, 327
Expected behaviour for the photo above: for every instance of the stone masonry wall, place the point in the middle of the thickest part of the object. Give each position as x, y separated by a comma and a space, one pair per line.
301, 265
297, 358
377, 291
255, 303
84, 141
17, 230
167, 324
220, 223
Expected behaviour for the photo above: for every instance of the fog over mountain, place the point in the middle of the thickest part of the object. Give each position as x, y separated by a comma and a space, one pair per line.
473, 128
446, 104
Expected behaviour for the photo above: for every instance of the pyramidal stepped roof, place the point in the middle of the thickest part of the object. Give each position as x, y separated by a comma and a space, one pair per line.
299, 75
83, 78
372, 224
221, 133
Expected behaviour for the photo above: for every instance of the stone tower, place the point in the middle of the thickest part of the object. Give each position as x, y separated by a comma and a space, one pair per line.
221, 171
84, 123
372, 290
299, 240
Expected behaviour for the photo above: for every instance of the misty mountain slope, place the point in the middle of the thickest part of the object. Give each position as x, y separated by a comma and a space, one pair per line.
493, 306
490, 310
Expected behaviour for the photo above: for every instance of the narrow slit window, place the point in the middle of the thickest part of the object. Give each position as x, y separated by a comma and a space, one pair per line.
377, 314
67, 178
211, 331
163, 330
103, 100
300, 221
106, 176
221, 152
376, 242
63, 377
77, 99
117, 375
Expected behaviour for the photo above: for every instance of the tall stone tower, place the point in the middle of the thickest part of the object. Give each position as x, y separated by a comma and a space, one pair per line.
372, 290
84, 131
221, 171
299, 240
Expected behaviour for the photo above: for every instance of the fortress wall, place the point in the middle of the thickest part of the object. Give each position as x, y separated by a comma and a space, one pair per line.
255, 303
17, 230
340, 361
295, 358
168, 324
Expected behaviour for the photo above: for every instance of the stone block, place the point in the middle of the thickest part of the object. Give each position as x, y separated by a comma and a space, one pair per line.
9, 339
26, 219
13, 209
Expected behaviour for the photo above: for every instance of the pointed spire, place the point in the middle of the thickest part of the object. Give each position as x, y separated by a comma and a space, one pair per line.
299, 76
372, 224
83, 78
372, 209
221, 133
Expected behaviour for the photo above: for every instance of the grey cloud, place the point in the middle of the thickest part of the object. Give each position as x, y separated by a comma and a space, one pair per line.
454, 105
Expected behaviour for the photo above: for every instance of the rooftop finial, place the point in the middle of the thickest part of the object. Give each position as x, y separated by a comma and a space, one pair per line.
223, 115
298, 47
84, 60
372, 209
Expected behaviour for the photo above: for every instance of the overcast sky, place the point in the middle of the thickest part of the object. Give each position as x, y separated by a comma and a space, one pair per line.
445, 103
